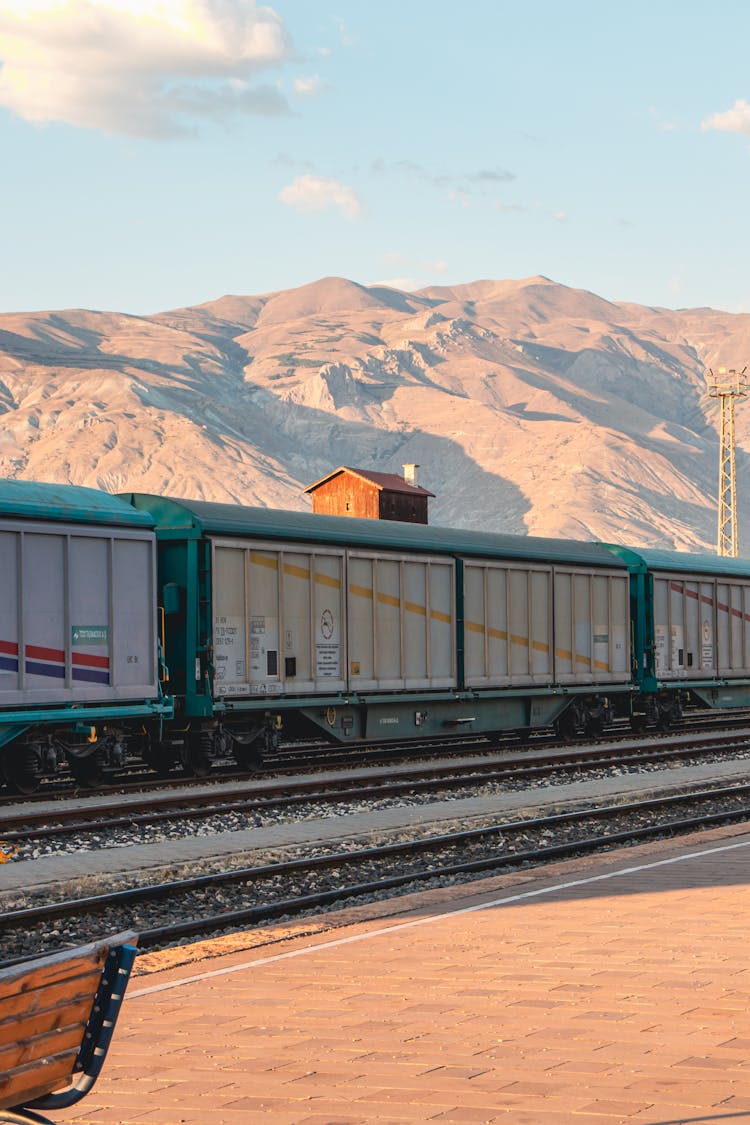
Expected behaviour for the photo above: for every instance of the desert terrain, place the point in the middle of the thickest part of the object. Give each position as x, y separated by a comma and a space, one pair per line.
530, 407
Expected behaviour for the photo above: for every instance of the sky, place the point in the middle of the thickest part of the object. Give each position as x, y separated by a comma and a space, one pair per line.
162, 153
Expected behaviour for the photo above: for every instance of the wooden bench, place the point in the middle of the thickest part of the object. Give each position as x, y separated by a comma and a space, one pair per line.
57, 1015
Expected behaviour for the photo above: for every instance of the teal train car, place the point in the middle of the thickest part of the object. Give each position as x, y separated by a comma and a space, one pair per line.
79, 666
691, 628
289, 625
183, 631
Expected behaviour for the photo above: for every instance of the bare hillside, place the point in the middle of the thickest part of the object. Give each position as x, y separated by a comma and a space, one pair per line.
530, 407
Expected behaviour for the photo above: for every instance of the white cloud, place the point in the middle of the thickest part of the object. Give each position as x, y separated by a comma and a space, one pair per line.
406, 284
560, 216
307, 86
440, 267
312, 193
734, 120
141, 67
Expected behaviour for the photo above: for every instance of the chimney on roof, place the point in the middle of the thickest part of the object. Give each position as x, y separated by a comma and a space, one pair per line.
410, 475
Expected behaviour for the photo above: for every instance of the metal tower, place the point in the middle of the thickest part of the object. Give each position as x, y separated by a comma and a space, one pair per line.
727, 385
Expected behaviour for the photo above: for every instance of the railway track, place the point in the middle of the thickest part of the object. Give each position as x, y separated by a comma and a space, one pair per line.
518, 743
315, 758
26, 825
212, 903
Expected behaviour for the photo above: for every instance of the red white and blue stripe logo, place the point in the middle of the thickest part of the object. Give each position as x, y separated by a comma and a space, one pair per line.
41, 661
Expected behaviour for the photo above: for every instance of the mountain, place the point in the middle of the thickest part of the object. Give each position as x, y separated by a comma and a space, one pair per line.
530, 406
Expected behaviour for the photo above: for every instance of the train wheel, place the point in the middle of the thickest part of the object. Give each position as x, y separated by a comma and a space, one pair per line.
566, 726
22, 770
161, 758
249, 756
200, 745
594, 726
249, 760
87, 772
664, 722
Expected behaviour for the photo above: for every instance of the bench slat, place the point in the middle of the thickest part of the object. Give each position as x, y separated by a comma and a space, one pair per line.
34, 1080
52, 999
33, 1048
26, 1025
48, 972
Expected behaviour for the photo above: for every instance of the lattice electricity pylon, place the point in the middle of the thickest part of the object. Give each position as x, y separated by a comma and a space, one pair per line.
727, 385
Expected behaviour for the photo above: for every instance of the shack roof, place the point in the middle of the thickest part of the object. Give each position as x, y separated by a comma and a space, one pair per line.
177, 519
67, 503
384, 482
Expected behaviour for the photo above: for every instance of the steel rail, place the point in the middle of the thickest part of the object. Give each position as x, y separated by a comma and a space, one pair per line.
155, 892
27, 826
352, 755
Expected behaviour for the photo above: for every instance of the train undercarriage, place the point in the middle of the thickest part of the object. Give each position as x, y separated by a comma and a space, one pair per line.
97, 755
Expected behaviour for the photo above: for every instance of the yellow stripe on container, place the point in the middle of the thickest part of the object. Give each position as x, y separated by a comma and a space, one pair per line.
296, 571
439, 616
264, 560
326, 580
390, 599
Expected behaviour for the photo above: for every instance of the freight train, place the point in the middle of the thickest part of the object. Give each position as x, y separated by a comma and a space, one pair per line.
183, 631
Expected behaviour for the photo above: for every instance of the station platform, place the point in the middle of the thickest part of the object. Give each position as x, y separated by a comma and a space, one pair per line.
607, 989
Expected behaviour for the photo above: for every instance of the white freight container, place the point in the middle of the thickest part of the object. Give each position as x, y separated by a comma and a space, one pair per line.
278, 616
592, 626
701, 627
77, 614
529, 624
402, 620
507, 624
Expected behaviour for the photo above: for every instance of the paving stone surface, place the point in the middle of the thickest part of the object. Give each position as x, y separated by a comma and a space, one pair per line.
605, 990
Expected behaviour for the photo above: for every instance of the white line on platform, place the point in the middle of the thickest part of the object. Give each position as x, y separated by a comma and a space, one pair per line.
506, 900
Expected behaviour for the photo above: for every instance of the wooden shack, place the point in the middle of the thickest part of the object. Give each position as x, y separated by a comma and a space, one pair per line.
371, 495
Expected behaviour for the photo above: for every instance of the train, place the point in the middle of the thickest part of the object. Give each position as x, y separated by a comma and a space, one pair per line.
180, 632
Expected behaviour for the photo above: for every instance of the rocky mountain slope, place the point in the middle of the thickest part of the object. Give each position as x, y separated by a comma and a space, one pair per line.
529, 406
